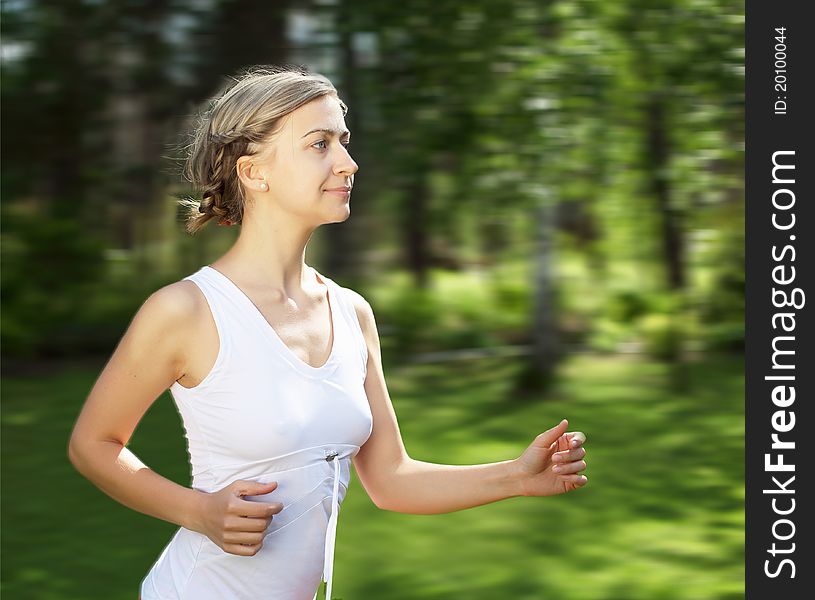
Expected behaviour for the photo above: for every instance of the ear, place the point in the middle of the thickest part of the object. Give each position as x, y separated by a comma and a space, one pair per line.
249, 174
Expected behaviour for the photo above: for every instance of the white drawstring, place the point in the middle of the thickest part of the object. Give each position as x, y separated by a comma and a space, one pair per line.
331, 531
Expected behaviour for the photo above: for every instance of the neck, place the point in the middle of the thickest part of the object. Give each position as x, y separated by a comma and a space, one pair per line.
270, 253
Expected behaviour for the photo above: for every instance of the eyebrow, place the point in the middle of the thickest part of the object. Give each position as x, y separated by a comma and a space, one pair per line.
329, 132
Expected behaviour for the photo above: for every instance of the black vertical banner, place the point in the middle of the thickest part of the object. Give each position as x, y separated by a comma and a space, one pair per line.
780, 367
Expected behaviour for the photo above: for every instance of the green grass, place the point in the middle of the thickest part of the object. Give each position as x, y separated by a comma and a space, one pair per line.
661, 517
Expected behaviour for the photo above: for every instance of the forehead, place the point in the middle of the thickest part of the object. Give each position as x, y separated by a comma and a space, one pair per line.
324, 113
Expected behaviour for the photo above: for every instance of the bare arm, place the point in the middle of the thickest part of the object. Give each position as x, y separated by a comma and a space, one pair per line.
424, 488
397, 482
148, 359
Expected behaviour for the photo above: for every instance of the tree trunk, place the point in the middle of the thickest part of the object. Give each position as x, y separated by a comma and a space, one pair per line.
656, 158
546, 347
414, 221
538, 373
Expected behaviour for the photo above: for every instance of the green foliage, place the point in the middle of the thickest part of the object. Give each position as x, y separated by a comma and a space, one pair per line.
413, 315
722, 310
608, 335
534, 105
727, 336
50, 268
511, 295
457, 311
661, 335
625, 306
654, 322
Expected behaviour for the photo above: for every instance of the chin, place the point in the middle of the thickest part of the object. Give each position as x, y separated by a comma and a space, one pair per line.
343, 219
345, 212
338, 217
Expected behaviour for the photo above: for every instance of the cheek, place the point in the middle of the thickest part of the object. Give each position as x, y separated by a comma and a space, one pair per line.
310, 166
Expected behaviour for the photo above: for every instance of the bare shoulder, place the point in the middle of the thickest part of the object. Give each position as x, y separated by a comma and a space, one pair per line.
175, 301
169, 315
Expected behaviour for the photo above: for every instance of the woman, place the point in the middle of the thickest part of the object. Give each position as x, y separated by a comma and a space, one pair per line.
276, 371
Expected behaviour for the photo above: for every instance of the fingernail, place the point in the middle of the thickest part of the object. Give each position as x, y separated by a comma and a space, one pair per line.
556, 469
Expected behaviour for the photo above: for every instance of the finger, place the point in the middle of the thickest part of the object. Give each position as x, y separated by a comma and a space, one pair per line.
550, 436
577, 480
242, 550
248, 538
569, 455
572, 467
253, 488
236, 523
258, 510
576, 438
562, 443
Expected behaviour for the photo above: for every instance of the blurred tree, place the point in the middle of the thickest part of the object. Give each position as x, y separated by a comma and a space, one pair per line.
234, 34
450, 88
665, 48
52, 92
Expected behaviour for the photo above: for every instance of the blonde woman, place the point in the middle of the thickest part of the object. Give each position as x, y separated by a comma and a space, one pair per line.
275, 370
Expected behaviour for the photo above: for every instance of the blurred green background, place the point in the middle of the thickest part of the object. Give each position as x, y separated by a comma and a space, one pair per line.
548, 221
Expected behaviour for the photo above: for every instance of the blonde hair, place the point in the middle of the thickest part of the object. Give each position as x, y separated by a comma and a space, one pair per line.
236, 122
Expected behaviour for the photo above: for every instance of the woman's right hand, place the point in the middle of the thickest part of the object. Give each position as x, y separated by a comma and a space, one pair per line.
235, 525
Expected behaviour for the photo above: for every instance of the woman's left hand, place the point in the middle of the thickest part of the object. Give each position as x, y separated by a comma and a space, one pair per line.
552, 463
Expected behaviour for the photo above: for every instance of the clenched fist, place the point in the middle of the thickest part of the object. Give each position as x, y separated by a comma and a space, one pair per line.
235, 525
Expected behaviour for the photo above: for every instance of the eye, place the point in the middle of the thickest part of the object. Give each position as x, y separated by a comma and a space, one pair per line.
346, 144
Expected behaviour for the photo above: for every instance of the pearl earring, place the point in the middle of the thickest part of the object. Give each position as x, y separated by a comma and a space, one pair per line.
263, 186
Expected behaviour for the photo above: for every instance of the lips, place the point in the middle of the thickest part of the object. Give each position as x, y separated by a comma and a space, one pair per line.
339, 189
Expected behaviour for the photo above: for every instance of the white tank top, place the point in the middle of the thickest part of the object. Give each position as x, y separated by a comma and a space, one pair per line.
263, 414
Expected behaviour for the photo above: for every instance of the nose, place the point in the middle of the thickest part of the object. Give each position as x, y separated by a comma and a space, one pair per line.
344, 164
